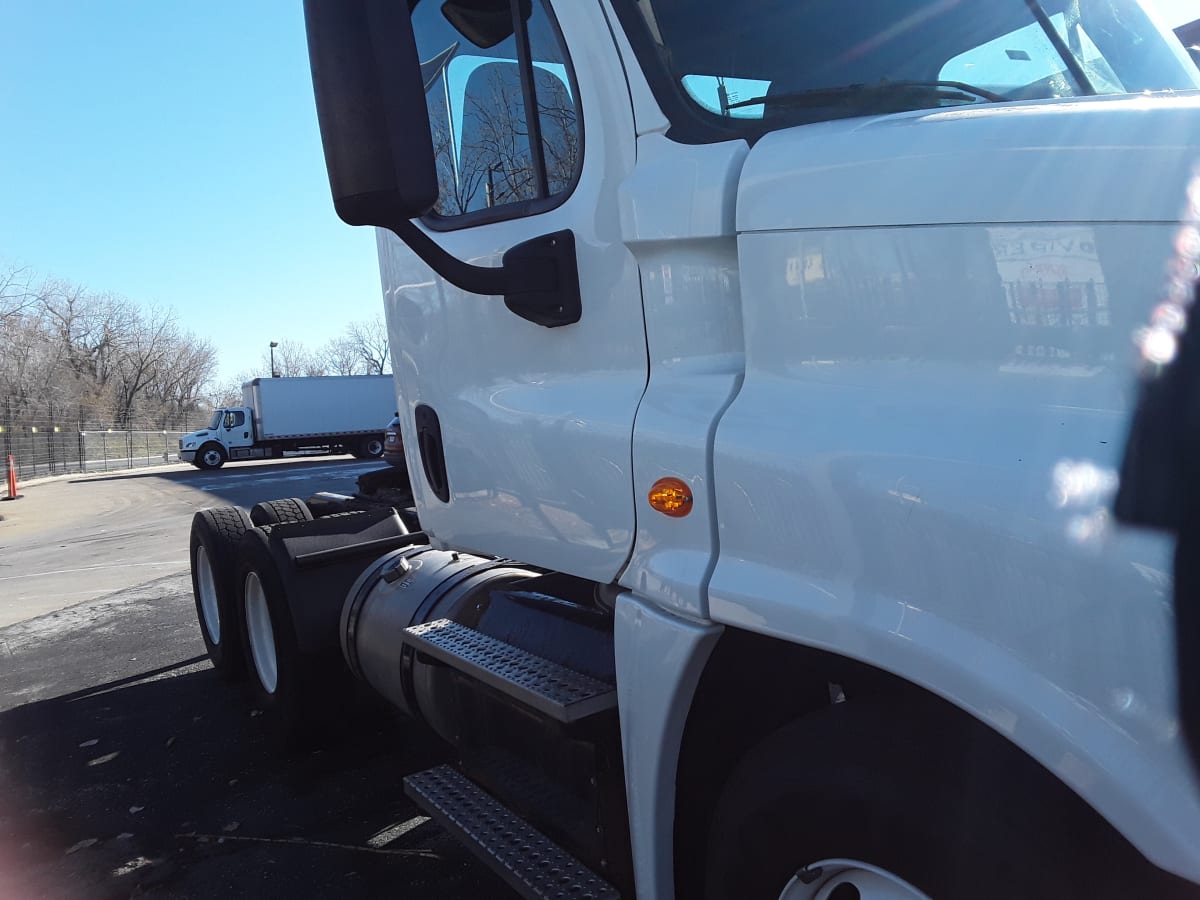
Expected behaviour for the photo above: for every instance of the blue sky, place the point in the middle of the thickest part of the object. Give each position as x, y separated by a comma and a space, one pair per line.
169, 152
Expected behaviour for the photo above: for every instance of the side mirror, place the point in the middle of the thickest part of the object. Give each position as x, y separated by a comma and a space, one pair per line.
370, 92
371, 109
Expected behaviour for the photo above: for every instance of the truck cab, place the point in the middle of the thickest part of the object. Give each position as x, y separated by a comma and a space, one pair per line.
229, 428
764, 374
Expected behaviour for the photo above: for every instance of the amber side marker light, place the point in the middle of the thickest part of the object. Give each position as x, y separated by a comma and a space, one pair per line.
671, 497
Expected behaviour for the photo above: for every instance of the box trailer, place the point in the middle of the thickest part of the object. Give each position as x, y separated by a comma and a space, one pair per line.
332, 414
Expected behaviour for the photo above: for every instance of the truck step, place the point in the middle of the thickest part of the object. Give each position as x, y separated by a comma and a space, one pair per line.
531, 864
554, 690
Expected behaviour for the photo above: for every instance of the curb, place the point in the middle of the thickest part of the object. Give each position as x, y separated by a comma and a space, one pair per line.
110, 473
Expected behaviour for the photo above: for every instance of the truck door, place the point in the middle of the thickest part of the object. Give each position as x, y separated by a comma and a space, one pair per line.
519, 434
236, 429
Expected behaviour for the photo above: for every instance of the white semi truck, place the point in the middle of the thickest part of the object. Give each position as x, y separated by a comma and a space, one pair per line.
765, 374
332, 414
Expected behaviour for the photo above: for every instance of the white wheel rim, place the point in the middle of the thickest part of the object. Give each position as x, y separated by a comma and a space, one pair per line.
210, 611
374, 448
212, 458
848, 879
260, 634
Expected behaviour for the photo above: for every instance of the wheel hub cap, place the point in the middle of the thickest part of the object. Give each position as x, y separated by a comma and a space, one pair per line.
847, 879
260, 634
205, 583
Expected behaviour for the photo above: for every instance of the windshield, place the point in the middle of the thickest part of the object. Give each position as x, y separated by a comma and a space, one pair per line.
770, 64
216, 420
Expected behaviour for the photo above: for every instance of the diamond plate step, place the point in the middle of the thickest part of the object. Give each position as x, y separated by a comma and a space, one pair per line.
560, 693
532, 864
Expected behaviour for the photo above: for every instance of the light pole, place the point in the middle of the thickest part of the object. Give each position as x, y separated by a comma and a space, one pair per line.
274, 344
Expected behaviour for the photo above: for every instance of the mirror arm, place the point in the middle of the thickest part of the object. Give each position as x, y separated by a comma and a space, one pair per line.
538, 278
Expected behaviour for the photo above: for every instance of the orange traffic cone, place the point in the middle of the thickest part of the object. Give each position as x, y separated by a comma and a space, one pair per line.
12, 480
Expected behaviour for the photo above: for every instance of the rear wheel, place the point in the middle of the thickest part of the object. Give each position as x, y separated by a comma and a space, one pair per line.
277, 512
371, 448
291, 687
213, 550
867, 802
260, 634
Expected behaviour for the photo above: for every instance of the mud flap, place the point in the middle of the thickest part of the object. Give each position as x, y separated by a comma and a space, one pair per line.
318, 561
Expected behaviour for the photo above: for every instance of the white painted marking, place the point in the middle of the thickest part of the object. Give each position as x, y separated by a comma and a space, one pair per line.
138, 862
175, 562
385, 837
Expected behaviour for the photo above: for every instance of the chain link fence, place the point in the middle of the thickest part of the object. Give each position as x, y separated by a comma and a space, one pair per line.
48, 449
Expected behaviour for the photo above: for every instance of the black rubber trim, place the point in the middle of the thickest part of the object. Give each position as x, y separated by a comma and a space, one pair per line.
689, 122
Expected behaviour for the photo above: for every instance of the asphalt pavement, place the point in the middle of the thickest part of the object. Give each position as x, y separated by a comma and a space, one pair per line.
129, 769
76, 538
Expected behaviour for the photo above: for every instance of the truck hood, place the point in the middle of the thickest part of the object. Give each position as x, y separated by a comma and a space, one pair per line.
1098, 160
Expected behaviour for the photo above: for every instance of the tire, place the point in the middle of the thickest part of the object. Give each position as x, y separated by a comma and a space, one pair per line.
215, 536
903, 802
370, 448
278, 512
210, 456
294, 690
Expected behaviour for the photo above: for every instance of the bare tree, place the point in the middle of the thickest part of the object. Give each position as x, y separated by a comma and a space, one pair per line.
370, 340
293, 360
72, 354
177, 386
491, 162
341, 357
229, 392
145, 353
456, 190
17, 295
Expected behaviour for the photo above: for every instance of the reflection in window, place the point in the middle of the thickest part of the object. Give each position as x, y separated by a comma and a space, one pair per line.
478, 117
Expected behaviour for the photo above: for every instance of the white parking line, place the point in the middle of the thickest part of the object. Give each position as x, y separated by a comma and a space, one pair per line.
179, 562
385, 837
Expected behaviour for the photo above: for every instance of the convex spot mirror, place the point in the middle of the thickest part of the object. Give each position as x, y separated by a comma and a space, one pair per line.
485, 23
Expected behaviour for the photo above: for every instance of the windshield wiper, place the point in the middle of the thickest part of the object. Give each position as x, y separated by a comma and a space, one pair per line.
847, 94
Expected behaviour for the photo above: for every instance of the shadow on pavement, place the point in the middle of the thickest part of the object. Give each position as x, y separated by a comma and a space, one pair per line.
167, 784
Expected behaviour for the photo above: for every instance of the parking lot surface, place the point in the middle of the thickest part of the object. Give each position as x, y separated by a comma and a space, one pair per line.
81, 537
128, 769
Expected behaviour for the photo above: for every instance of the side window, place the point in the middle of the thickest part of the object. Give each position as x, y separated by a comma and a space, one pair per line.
722, 95
491, 150
234, 419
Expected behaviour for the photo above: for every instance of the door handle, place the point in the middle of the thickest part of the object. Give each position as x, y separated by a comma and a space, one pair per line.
433, 455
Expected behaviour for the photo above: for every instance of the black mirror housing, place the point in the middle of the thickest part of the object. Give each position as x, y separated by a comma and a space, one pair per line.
371, 109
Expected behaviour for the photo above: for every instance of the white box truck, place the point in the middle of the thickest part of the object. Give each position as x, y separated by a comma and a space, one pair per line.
332, 414
765, 369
